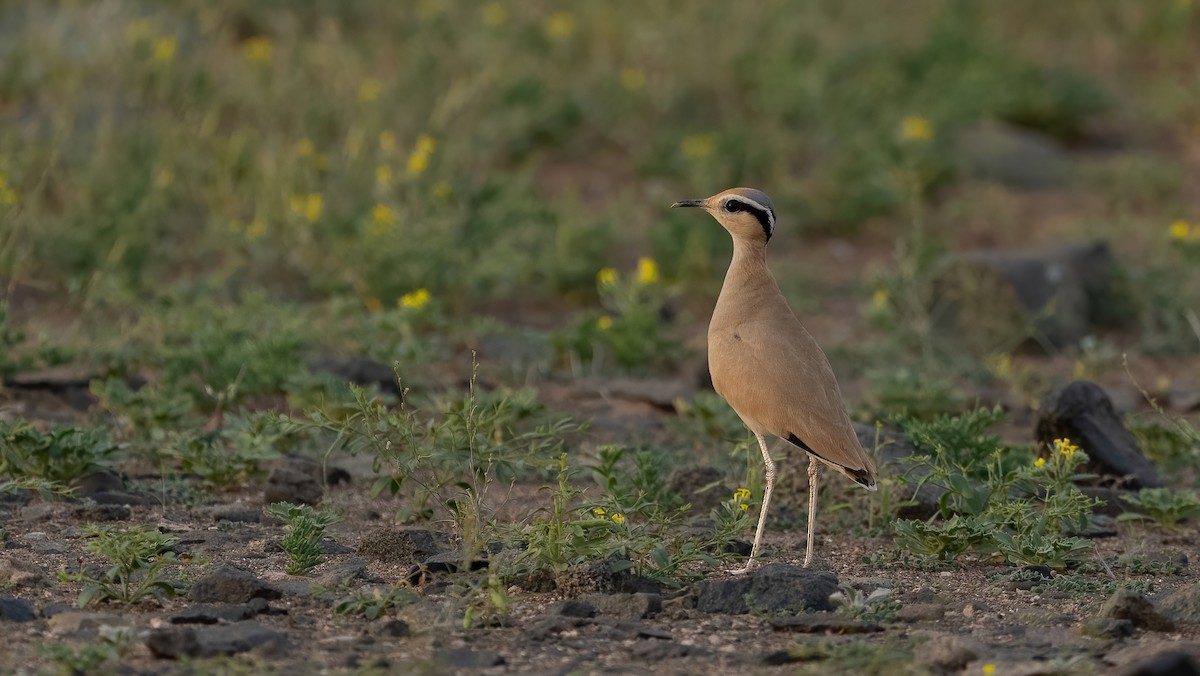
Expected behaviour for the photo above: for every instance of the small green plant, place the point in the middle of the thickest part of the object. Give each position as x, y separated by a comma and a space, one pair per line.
138, 557
226, 457
303, 529
486, 602
375, 602
1163, 506
878, 606
60, 455
91, 657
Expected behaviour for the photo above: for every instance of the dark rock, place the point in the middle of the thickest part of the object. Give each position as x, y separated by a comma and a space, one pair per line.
392, 544
539, 581
16, 573
296, 480
1083, 413
364, 372
97, 512
776, 588
82, 623
231, 585
630, 606
1106, 627
227, 639
394, 629
982, 299
823, 623
950, 653
572, 608
1167, 663
591, 577
1181, 606
893, 450
1112, 497
1129, 605
659, 393
96, 482
1012, 156
204, 613
15, 610
336, 476
121, 498
921, 612
701, 486
343, 572
451, 562
466, 658
238, 515
658, 650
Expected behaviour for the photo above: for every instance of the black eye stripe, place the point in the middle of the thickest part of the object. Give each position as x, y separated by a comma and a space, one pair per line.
764, 217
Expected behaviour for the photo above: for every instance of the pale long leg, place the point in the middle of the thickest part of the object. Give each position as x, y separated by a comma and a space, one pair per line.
812, 507
769, 481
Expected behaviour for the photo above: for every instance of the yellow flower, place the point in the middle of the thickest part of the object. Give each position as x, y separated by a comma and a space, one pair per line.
697, 146
741, 494
598, 512
1065, 447
415, 300
387, 141
914, 128
560, 25
441, 190
647, 270
604, 323
369, 90
309, 206
382, 215
417, 162
1039, 462
494, 14
426, 144
1179, 230
383, 176
989, 669
618, 518
633, 79
164, 49
257, 49
305, 147
606, 277
879, 299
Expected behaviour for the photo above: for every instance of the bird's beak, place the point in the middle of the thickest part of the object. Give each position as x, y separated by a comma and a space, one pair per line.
688, 203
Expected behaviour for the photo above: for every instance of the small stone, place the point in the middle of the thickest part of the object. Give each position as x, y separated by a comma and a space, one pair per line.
343, 572
99, 512
948, 652
51, 548
629, 606
823, 623
296, 480
16, 573
82, 623
394, 629
1182, 606
391, 544
231, 585
1129, 605
228, 639
589, 577
771, 589
701, 486
1106, 627
466, 658
204, 613
572, 608
924, 612
15, 610
237, 515
1166, 663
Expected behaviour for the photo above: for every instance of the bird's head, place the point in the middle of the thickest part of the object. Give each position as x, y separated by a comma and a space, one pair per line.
745, 212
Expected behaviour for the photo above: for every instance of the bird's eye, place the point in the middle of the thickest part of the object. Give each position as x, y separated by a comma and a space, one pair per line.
733, 206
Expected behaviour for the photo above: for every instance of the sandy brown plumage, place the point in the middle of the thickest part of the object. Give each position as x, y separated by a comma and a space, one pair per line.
765, 363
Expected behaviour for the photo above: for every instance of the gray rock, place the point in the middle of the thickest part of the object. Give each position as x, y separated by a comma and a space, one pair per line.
991, 298
1112, 497
231, 585
571, 608
1083, 413
1166, 663
1106, 627
946, 652
343, 572
592, 577
205, 613
392, 544
1136, 657
50, 548
1181, 606
360, 371
77, 622
630, 606
1010, 155
701, 486
296, 480
823, 623
16, 610
772, 589
921, 612
466, 658
237, 515
894, 448
229, 639
100, 512
1129, 605
394, 629
16, 573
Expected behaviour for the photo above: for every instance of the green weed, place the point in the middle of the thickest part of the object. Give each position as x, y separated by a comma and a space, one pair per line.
375, 602
1163, 506
60, 455
877, 606
303, 530
138, 557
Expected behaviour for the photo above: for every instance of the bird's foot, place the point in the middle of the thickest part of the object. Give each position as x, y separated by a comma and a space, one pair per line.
745, 570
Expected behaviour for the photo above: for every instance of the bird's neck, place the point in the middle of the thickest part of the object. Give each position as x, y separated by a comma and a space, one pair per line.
748, 283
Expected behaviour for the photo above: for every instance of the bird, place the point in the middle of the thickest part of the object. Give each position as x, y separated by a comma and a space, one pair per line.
767, 366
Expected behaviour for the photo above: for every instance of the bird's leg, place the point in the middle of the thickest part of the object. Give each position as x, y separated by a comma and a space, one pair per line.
812, 507
769, 481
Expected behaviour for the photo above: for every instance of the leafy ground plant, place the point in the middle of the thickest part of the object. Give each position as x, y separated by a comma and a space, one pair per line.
303, 529
138, 557
375, 602
1163, 506
61, 455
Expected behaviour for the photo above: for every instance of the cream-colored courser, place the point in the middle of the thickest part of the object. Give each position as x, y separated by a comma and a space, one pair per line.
767, 366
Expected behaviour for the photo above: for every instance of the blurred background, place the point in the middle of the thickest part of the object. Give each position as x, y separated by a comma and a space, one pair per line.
208, 193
